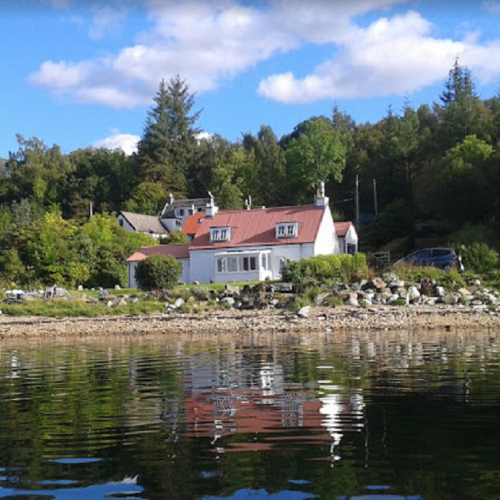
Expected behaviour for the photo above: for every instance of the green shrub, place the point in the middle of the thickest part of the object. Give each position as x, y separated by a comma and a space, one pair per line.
406, 272
324, 268
479, 257
158, 272
469, 235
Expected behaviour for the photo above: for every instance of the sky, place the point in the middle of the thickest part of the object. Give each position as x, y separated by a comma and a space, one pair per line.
84, 73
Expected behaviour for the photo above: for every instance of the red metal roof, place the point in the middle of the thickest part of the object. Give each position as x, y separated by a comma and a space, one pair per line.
258, 227
177, 251
192, 223
342, 228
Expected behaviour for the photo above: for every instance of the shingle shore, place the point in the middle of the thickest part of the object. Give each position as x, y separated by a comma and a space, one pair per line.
321, 319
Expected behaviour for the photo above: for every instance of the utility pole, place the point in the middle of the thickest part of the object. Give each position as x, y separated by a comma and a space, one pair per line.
375, 201
356, 202
91, 212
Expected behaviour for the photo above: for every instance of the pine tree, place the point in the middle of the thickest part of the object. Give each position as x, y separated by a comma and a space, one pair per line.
167, 150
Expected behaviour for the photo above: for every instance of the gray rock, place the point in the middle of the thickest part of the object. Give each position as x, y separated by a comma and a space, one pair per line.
134, 300
200, 293
451, 299
232, 290
352, 302
320, 299
440, 291
304, 312
80, 288
340, 287
358, 285
179, 303
283, 287
228, 301
118, 287
413, 294
379, 283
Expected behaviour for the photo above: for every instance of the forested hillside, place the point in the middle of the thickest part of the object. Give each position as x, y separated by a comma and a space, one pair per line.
437, 163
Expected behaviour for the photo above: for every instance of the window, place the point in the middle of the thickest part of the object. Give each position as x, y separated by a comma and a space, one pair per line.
178, 223
264, 262
221, 265
351, 249
120, 222
287, 230
249, 263
181, 212
200, 209
233, 264
220, 234
191, 211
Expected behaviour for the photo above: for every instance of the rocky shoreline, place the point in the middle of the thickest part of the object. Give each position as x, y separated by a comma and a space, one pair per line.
319, 319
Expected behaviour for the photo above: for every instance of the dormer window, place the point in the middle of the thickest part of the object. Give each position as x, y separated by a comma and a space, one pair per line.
287, 230
218, 234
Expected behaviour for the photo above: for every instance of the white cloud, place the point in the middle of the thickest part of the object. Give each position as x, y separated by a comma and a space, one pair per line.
391, 56
211, 42
126, 142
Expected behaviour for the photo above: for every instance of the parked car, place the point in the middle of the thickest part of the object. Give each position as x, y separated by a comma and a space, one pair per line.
444, 258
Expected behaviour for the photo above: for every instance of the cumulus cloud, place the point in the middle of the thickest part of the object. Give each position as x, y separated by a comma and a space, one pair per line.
211, 42
390, 56
126, 142
107, 21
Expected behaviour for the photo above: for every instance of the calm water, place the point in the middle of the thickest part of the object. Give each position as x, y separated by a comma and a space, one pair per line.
314, 416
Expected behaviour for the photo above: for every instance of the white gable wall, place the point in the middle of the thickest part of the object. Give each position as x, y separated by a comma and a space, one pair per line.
326, 240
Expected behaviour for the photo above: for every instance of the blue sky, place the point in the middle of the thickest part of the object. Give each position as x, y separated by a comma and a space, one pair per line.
81, 74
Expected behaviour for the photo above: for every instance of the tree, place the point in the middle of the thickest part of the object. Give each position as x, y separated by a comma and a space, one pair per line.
269, 167
175, 238
158, 272
316, 155
167, 149
148, 198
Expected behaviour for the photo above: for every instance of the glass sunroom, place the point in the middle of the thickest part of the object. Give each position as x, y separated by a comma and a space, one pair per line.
248, 265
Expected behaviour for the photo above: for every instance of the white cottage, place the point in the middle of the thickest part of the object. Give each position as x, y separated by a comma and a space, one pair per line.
180, 252
348, 237
247, 245
147, 224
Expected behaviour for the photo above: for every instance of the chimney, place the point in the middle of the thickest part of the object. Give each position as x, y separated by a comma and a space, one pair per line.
212, 209
170, 198
322, 200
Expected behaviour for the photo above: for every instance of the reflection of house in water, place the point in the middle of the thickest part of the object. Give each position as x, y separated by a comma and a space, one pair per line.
252, 397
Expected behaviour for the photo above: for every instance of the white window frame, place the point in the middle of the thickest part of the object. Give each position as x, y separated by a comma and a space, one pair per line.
221, 265
220, 234
287, 230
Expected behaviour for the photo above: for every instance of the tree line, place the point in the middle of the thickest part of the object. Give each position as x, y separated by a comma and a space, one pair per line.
439, 162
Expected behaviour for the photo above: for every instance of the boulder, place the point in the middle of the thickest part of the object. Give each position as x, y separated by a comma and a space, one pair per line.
228, 301
321, 298
232, 291
200, 293
352, 302
451, 299
378, 283
118, 287
179, 303
358, 285
283, 287
304, 312
413, 294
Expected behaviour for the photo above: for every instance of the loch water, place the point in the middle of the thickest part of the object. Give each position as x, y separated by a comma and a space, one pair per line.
354, 415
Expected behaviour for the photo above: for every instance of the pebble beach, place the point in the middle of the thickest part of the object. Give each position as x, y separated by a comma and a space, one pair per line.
320, 319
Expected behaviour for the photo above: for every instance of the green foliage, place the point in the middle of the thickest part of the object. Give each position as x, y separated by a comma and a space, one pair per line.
479, 257
175, 238
158, 272
451, 279
316, 155
394, 222
323, 268
148, 198
471, 234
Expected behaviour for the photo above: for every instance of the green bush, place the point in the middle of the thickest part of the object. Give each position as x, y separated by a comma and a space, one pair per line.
323, 268
158, 272
416, 274
469, 235
479, 257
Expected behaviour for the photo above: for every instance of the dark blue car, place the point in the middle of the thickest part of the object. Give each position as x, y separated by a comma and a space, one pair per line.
444, 258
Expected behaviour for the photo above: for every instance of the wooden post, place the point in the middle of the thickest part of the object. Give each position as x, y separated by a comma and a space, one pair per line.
356, 201
375, 200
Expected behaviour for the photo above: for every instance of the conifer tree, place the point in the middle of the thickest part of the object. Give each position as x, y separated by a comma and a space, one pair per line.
166, 152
